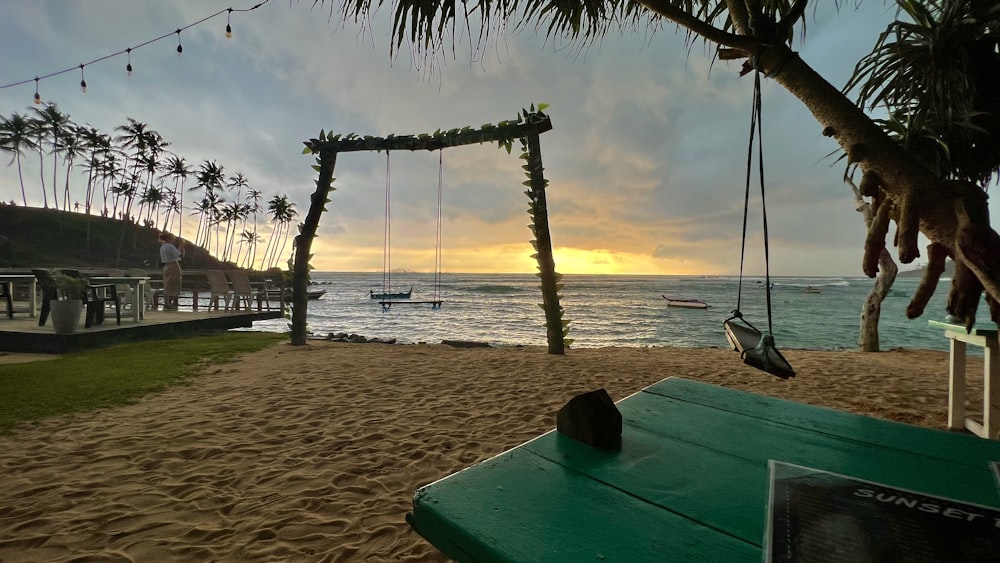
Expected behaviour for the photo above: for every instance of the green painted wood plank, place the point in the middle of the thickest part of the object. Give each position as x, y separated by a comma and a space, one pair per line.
690, 482
520, 507
757, 440
712, 488
959, 448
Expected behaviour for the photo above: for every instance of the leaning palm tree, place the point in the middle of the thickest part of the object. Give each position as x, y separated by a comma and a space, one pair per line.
952, 212
254, 197
71, 145
51, 124
176, 168
282, 213
95, 145
15, 138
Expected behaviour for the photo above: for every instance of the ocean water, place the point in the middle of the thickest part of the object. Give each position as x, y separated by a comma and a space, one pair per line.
503, 310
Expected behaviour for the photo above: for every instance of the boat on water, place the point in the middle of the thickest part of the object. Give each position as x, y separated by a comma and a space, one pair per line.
685, 303
275, 294
811, 289
384, 296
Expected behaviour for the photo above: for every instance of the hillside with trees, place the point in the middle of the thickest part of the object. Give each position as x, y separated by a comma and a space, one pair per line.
133, 177
49, 238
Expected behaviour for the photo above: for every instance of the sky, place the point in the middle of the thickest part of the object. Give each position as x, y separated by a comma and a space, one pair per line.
646, 162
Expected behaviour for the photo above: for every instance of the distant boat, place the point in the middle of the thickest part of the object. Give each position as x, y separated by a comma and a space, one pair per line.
686, 303
275, 294
811, 289
384, 296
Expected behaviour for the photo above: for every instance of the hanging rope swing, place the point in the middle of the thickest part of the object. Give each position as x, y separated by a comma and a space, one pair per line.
756, 349
387, 298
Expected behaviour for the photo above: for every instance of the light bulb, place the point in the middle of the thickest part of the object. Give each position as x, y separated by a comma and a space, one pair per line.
229, 31
128, 67
180, 49
83, 86
38, 99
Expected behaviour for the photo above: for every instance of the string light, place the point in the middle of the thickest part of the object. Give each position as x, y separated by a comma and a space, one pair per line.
128, 51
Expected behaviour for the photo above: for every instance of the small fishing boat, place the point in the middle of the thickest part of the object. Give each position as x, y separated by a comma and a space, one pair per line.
685, 303
275, 294
811, 289
384, 296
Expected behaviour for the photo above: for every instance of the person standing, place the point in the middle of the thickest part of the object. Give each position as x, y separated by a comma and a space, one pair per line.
170, 258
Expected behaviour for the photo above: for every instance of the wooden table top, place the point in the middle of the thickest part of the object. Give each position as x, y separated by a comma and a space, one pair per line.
691, 482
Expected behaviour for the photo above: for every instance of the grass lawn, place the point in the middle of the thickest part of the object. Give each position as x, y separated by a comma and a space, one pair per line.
113, 376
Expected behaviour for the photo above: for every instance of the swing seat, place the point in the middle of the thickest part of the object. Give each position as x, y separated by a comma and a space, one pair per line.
745, 340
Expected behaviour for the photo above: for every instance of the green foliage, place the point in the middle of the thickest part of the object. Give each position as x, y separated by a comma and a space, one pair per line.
69, 287
114, 376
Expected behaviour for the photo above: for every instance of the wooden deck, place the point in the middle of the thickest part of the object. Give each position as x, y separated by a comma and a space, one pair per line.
22, 333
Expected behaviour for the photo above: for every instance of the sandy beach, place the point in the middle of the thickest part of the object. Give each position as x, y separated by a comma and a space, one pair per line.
313, 453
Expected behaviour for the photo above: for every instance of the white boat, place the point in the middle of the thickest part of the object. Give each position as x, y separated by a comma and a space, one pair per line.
685, 303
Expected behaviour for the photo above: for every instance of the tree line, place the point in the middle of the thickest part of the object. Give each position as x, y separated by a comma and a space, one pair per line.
131, 175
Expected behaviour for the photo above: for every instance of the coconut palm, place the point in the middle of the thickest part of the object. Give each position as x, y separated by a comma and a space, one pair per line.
49, 124
249, 240
96, 146
71, 145
952, 213
176, 168
210, 178
15, 138
282, 213
253, 198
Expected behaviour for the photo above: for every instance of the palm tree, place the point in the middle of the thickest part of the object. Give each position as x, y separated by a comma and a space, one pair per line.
54, 124
282, 213
71, 145
209, 178
237, 183
249, 240
96, 145
177, 168
15, 138
952, 213
253, 197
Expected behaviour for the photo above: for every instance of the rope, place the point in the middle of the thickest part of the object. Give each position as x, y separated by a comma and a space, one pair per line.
756, 133
387, 233
437, 249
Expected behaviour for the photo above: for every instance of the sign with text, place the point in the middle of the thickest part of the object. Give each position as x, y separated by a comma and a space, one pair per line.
814, 515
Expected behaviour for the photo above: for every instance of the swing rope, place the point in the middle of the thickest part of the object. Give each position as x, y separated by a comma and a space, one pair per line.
387, 233
756, 349
437, 248
755, 131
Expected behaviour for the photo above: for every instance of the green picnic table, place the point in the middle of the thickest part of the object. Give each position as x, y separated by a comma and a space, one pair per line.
691, 481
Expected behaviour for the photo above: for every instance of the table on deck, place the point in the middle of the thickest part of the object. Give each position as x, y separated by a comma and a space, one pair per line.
136, 284
958, 339
11, 279
690, 483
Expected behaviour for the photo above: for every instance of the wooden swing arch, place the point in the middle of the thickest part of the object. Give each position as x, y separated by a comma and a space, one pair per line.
528, 127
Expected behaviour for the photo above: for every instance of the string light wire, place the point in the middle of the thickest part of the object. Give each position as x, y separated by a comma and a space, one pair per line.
128, 51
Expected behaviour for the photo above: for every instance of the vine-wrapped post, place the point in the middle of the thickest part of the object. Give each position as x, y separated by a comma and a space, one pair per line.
303, 246
554, 329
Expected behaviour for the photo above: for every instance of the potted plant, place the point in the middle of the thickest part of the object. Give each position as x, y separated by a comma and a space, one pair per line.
66, 309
